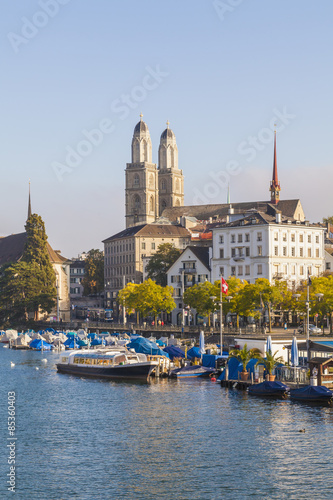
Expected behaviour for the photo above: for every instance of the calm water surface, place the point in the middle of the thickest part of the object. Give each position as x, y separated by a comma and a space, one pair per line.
90, 439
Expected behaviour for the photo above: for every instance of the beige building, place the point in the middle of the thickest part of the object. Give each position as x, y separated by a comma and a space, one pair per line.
125, 252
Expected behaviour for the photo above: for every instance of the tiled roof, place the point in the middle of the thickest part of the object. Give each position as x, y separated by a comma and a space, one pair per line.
12, 248
202, 253
157, 230
204, 212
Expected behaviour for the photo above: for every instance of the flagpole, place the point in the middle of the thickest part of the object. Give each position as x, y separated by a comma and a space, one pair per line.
221, 313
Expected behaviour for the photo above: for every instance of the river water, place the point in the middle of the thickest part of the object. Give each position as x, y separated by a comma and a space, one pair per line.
90, 439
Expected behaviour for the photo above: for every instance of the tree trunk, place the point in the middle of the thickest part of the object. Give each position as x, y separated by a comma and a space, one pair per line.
269, 318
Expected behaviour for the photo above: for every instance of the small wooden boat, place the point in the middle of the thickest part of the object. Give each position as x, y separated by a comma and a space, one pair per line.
192, 372
269, 389
312, 393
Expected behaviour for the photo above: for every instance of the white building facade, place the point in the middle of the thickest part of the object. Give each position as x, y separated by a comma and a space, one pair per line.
191, 268
261, 246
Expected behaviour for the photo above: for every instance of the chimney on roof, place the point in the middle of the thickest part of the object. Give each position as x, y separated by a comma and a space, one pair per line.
278, 217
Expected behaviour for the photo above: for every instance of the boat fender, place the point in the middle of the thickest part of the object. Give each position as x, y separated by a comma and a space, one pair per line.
213, 379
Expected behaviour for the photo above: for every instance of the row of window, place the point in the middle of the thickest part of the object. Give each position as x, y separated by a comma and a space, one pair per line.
75, 280
245, 252
75, 290
240, 238
119, 247
241, 270
293, 237
246, 270
259, 237
188, 278
293, 252
77, 270
119, 259
119, 271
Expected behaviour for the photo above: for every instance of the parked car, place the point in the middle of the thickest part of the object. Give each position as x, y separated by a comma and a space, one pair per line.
313, 329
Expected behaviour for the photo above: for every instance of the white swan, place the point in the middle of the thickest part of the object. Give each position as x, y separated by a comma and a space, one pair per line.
37, 368
44, 360
12, 364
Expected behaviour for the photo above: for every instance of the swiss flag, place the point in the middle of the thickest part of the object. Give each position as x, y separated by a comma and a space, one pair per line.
224, 286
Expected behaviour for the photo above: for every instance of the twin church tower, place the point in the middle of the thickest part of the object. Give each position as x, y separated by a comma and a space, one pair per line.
151, 188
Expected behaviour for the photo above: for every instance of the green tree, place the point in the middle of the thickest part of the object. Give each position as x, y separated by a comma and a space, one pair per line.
253, 296
199, 297
36, 254
17, 290
230, 301
321, 305
93, 281
148, 298
328, 220
245, 355
161, 261
28, 286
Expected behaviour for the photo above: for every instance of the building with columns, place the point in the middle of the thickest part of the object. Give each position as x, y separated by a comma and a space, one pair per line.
150, 189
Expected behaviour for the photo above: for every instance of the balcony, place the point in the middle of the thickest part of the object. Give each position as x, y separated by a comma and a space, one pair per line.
239, 258
278, 276
187, 271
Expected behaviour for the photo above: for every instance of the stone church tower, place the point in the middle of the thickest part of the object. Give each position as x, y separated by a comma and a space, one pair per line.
170, 178
141, 180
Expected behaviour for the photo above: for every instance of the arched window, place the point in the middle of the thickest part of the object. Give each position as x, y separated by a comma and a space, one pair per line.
151, 204
177, 203
163, 185
137, 152
136, 203
164, 204
136, 181
145, 149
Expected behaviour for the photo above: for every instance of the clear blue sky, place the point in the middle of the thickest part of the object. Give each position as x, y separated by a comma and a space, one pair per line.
226, 77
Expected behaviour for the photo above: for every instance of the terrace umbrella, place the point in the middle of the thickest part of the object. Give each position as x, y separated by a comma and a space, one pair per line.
294, 354
202, 349
269, 344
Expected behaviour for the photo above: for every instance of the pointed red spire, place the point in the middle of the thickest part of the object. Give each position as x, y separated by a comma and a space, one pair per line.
275, 185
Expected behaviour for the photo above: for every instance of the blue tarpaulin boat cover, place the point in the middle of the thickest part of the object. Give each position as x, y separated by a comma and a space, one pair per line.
311, 392
160, 343
98, 342
193, 353
37, 344
174, 352
209, 360
70, 344
267, 388
145, 346
234, 366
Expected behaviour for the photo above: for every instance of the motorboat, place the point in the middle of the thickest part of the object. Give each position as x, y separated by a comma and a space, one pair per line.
269, 389
312, 393
110, 363
192, 371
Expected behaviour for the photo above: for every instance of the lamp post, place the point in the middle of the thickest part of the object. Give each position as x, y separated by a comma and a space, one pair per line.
297, 297
319, 297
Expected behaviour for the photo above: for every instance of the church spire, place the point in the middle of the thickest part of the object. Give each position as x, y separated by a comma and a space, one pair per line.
29, 203
275, 185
